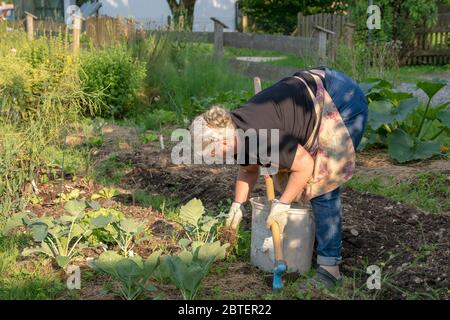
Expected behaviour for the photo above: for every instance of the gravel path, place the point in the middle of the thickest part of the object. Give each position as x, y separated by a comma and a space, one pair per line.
442, 96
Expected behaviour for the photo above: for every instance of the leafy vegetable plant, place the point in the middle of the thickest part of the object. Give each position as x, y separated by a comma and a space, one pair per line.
102, 235
124, 232
132, 273
198, 226
64, 197
188, 269
105, 193
397, 119
59, 238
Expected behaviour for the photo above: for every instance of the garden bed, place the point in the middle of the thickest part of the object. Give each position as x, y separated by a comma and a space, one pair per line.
410, 245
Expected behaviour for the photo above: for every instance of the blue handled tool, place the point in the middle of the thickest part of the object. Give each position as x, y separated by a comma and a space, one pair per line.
280, 265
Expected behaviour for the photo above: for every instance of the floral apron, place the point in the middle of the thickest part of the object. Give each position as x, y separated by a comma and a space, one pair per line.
330, 145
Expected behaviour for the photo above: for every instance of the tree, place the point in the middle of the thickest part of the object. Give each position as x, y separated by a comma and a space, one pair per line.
280, 16
399, 18
183, 8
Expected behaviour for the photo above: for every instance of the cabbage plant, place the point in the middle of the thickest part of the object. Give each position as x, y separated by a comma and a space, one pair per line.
198, 226
132, 273
59, 238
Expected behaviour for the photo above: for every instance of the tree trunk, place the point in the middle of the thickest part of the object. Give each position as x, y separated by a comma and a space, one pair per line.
184, 7
396, 20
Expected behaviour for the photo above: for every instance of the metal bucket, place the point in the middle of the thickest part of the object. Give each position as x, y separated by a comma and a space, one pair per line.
298, 237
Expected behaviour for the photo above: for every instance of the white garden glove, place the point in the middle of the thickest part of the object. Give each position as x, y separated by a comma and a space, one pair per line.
235, 215
278, 214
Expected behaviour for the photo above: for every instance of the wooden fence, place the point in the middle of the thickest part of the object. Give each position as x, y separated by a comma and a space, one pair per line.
105, 31
283, 44
430, 46
340, 25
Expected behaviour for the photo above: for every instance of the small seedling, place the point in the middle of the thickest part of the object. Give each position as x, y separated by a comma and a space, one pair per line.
65, 197
105, 193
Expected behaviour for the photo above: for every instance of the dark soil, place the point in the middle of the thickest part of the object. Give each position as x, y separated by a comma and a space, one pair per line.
412, 247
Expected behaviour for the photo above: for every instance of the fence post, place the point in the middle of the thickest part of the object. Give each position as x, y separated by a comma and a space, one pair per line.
218, 37
76, 33
30, 25
300, 27
349, 31
322, 42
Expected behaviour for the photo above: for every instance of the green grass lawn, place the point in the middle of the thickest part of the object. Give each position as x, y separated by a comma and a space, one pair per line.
428, 191
404, 74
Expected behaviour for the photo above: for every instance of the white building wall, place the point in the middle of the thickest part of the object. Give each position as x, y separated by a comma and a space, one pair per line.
153, 13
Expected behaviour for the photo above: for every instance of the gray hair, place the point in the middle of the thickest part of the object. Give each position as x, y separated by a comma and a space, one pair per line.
213, 125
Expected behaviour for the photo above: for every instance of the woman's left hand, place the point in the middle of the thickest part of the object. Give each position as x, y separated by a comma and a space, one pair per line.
278, 214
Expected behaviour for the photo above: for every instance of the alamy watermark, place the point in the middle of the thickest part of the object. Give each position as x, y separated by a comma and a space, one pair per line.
71, 12
74, 279
374, 19
248, 147
374, 280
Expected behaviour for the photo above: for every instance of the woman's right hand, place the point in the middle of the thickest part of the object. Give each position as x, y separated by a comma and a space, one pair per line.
235, 215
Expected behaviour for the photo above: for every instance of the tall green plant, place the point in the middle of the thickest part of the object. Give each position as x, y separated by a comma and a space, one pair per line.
397, 119
116, 74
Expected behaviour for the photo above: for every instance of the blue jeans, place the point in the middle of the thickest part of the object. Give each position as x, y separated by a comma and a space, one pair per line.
327, 209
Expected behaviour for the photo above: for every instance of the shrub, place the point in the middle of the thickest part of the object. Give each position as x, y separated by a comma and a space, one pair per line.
115, 74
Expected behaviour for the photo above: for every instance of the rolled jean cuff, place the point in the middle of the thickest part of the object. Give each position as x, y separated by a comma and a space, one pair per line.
329, 261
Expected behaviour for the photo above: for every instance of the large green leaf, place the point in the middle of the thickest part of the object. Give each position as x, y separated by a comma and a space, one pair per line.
444, 117
405, 108
65, 219
162, 272
100, 221
433, 112
15, 221
39, 230
62, 261
431, 87
130, 225
151, 263
94, 205
370, 139
192, 211
184, 243
43, 248
128, 269
371, 84
75, 207
380, 112
77, 230
186, 256
395, 96
403, 147
208, 223
213, 250
193, 278
106, 262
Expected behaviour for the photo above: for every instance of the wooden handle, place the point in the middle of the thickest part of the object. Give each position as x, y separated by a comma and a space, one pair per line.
270, 189
277, 244
257, 85
276, 234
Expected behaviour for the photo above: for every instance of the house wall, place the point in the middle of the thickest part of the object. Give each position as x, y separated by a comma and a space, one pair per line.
154, 13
